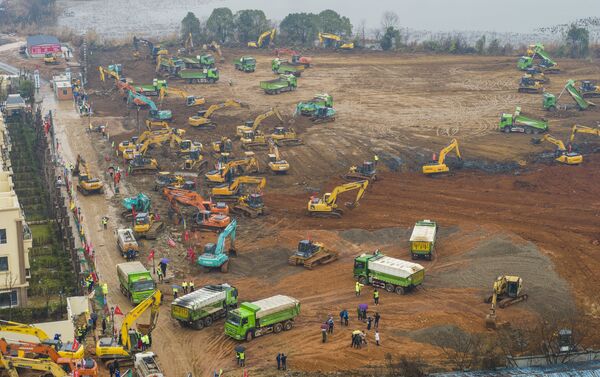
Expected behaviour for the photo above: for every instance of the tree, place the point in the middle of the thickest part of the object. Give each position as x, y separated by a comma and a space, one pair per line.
220, 24
190, 24
249, 24
390, 38
494, 47
389, 19
330, 21
578, 41
480, 45
299, 28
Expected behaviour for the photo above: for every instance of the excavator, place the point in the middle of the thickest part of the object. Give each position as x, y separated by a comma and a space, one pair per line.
264, 40
202, 218
216, 48
367, 170
188, 44
506, 292
582, 130
49, 367
222, 146
286, 137
145, 226
529, 85
141, 100
254, 140
154, 51
195, 161
438, 166
214, 255
253, 126
550, 102
327, 205
276, 163
151, 125
167, 179
232, 169
335, 41
202, 118
561, 154
84, 367
193, 199
545, 65
50, 59
107, 72
140, 164
190, 100
139, 203
251, 205
589, 88
109, 348
311, 253
64, 349
87, 184
233, 190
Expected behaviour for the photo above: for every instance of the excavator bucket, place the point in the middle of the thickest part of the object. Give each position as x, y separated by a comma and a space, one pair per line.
490, 321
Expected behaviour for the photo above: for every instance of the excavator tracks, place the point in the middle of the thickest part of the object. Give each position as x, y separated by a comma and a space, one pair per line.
337, 213
288, 142
506, 302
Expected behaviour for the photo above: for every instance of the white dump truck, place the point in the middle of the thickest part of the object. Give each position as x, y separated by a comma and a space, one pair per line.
127, 244
422, 240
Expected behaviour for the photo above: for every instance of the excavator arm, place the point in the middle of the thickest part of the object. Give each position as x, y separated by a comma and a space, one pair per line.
552, 140
229, 231
452, 146
20, 328
152, 302
361, 186
584, 130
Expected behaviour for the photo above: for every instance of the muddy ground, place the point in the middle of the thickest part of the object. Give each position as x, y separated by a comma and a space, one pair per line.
510, 212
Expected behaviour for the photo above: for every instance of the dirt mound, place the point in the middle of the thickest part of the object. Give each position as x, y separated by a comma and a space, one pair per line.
436, 335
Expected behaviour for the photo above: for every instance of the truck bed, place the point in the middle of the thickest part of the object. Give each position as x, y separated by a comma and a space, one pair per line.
394, 267
274, 304
131, 267
423, 233
201, 298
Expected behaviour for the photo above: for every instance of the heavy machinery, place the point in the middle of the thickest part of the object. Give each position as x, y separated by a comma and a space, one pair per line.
506, 291
296, 57
520, 123
545, 64
232, 169
285, 83
253, 125
146, 365
254, 140
188, 44
582, 130
391, 274
367, 171
169, 66
276, 163
264, 40
216, 48
86, 183
140, 164
202, 118
167, 179
206, 61
139, 203
561, 154
283, 67
144, 226
203, 218
327, 205
550, 102
589, 88
323, 115
127, 244
142, 100
334, 41
203, 307
150, 90
251, 205
214, 255
107, 72
308, 108
50, 59
311, 253
438, 166
536, 76
236, 188
48, 366
286, 137
126, 346
190, 100
153, 51
194, 161
151, 125
199, 76
194, 199
222, 146
64, 349
529, 85
245, 64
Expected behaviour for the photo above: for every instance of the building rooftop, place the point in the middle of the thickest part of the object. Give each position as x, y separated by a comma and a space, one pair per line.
41, 40
15, 100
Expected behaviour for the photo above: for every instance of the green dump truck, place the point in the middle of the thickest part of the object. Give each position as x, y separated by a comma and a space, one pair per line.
550, 101
520, 123
202, 307
285, 83
391, 274
151, 89
245, 64
252, 319
135, 281
422, 240
283, 67
199, 76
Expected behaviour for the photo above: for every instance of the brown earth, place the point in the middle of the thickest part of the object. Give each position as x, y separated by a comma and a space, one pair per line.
539, 221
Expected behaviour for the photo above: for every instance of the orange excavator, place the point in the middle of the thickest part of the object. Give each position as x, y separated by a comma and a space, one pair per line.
84, 367
210, 215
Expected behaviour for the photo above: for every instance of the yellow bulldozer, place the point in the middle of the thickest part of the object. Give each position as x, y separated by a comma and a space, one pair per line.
506, 291
311, 253
145, 226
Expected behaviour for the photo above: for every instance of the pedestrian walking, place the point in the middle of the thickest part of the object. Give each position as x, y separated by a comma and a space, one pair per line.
330, 324
341, 318
324, 328
163, 267
369, 321
284, 361
376, 337
94, 318
278, 358
345, 317
376, 159
184, 286
377, 317
103, 325
111, 369
357, 287
376, 296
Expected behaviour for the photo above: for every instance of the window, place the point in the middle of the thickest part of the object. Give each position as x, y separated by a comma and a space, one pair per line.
8, 299
64, 92
3, 264
2, 235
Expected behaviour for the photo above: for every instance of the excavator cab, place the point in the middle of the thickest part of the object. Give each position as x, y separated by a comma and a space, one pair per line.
142, 222
255, 201
367, 168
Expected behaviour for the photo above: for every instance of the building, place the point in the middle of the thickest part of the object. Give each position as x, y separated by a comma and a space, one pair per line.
15, 236
62, 87
14, 105
39, 45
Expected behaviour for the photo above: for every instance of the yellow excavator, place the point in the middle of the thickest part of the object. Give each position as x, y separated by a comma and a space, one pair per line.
224, 145
190, 100
561, 154
50, 59
151, 125
253, 125
506, 291
327, 205
276, 163
285, 137
437, 166
145, 226
202, 119
87, 184
109, 348
64, 349
582, 130
188, 44
50, 367
216, 48
335, 41
232, 169
264, 40
232, 191
106, 72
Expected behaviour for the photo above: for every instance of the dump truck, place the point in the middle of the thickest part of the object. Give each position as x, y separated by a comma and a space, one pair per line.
253, 319
207, 61
199, 76
551, 102
422, 240
204, 306
135, 281
391, 274
127, 244
145, 365
245, 64
520, 123
285, 83
283, 67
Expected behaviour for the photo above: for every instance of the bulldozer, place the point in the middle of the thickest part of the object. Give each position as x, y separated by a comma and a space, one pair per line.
286, 137
232, 191
438, 165
561, 154
253, 125
232, 169
50, 59
276, 163
529, 85
367, 171
311, 253
254, 140
589, 88
251, 205
141, 164
327, 205
144, 226
506, 292
87, 184
202, 118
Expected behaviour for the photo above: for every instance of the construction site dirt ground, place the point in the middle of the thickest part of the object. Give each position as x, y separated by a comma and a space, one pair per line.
510, 210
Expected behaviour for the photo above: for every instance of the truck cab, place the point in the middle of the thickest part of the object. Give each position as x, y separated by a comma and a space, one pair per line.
360, 266
241, 321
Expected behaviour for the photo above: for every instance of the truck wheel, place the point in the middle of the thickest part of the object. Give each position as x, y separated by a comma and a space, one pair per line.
362, 280
413, 256
208, 321
277, 328
399, 290
389, 287
506, 129
198, 325
288, 325
249, 336
528, 131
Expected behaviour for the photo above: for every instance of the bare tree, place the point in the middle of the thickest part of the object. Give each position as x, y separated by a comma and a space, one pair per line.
461, 348
362, 31
389, 19
559, 339
10, 283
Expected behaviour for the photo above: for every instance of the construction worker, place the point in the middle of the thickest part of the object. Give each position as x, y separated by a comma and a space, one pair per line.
357, 287
376, 159
324, 328
243, 358
191, 285
184, 285
105, 222
160, 275
145, 342
376, 296
175, 290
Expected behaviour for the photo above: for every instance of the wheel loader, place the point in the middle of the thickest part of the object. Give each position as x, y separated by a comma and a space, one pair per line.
505, 292
311, 253
359, 173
